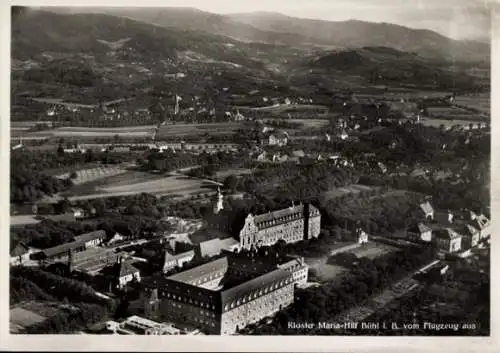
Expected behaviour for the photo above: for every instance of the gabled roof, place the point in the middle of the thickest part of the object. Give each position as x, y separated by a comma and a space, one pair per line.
119, 269
426, 207
125, 269
419, 228
277, 276
210, 248
469, 230
19, 250
195, 273
447, 233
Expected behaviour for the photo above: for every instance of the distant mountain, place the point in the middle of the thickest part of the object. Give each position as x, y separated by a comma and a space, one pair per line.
386, 66
275, 28
356, 34
186, 18
38, 32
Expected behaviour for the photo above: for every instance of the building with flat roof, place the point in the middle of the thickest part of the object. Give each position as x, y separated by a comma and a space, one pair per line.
136, 325
219, 298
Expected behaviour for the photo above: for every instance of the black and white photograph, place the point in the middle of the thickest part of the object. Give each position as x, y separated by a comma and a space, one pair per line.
250, 168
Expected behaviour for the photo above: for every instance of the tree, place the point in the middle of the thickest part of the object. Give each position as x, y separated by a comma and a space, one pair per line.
73, 175
231, 182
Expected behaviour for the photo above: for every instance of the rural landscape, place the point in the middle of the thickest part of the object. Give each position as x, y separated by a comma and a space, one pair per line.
175, 171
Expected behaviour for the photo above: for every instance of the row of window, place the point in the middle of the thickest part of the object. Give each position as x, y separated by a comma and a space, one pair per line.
190, 301
256, 294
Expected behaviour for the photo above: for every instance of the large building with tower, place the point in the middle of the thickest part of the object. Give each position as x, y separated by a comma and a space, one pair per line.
223, 296
291, 224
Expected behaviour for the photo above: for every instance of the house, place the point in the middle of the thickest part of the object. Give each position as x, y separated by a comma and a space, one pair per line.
427, 209
136, 325
78, 213
121, 273
362, 236
482, 223
92, 239
20, 254
470, 236
277, 139
448, 240
419, 232
262, 157
299, 269
171, 261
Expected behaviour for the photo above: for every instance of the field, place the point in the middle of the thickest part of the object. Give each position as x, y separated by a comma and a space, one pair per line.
480, 103
222, 174
88, 175
128, 131
351, 189
135, 182
373, 250
136, 131
452, 112
21, 220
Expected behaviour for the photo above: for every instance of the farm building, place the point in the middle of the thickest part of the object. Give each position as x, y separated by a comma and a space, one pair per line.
19, 255
419, 232
448, 240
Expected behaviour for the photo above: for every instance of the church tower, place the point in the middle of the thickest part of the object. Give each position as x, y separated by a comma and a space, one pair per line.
219, 200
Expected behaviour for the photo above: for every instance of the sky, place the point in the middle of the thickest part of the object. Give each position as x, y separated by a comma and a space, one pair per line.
458, 19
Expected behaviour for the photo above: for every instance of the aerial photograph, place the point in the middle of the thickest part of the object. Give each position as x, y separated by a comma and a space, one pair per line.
260, 168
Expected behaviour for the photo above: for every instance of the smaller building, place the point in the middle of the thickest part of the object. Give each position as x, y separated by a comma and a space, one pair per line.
178, 260
277, 139
482, 223
136, 325
470, 237
362, 236
19, 255
419, 232
92, 239
428, 210
120, 274
448, 240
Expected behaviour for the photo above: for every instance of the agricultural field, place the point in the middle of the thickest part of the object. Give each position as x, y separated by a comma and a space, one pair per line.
452, 112
480, 103
88, 175
130, 131
373, 250
176, 130
134, 182
351, 189
222, 174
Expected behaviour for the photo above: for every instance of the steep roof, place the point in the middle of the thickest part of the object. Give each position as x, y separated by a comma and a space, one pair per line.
419, 228
279, 214
469, 230
210, 248
192, 274
279, 276
426, 207
19, 250
447, 233
119, 269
